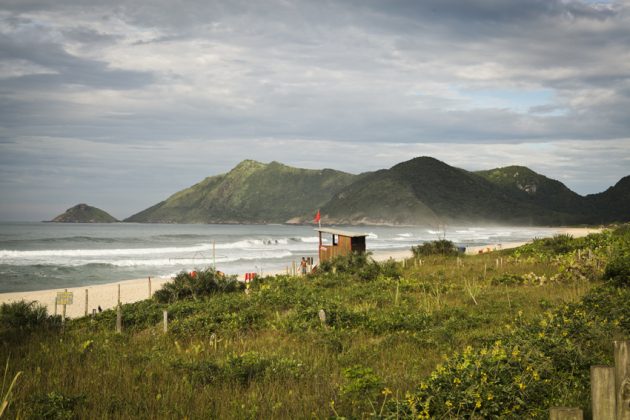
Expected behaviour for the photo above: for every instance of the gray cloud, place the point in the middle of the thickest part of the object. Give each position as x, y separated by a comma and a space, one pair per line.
133, 79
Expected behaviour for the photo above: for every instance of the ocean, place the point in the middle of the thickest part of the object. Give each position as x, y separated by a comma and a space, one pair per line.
38, 256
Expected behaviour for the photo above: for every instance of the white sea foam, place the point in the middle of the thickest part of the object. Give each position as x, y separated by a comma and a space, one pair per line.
9, 254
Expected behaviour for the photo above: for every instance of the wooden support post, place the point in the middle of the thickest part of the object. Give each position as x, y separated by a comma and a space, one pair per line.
564, 413
165, 321
622, 379
55, 305
397, 293
119, 319
150, 287
63, 317
603, 392
118, 294
93, 312
86, 302
497, 263
485, 269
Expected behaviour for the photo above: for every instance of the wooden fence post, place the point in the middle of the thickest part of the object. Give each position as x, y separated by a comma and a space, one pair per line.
149, 287
63, 317
86, 302
603, 392
165, 314
118, 319
622, 379
565, 413
119, 294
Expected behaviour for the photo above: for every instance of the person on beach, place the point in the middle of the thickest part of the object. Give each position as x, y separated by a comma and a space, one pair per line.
303, 266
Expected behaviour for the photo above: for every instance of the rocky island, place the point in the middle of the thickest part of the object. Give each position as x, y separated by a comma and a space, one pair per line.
82, 213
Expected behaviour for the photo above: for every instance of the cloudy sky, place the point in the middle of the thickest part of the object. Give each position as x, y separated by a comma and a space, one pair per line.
121, 103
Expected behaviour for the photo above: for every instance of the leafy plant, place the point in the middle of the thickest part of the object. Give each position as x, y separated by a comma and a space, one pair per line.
442, 247
617, 271
196, 284
56, 406
23, 315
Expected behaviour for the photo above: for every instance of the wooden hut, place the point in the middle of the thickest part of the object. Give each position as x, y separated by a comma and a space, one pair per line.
342, 243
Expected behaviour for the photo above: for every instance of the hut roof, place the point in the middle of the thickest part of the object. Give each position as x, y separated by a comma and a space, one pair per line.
342, 232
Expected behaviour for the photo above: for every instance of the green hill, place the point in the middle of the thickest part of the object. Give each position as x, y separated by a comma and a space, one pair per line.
82, 213
612, 205
252, 192
524, 184
427, 191
422, 190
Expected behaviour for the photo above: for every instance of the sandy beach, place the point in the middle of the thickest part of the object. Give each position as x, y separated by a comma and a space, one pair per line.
106, 295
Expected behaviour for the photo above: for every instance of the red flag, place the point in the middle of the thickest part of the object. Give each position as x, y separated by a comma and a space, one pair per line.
317, 217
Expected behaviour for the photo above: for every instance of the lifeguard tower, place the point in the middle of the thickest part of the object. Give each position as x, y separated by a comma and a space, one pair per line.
342, 243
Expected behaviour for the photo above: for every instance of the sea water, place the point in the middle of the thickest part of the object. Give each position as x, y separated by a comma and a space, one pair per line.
36, 256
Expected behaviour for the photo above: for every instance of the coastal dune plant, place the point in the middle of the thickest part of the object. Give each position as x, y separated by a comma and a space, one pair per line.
197, 284
441, 247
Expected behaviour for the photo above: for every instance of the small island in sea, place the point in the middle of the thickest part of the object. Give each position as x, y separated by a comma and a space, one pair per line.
82, 213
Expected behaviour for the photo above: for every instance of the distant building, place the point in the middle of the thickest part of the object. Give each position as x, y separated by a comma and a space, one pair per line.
341, 243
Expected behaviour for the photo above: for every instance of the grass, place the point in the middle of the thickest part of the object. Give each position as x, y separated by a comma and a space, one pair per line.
267, 354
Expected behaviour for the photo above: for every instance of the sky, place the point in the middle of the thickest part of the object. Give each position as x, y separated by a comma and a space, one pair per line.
120, 104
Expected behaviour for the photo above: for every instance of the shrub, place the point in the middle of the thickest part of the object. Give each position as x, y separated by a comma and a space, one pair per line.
441, 247
361, 383
249, 365
508, 279
23, 315
196, 284
359, 265
55, 406
617, 271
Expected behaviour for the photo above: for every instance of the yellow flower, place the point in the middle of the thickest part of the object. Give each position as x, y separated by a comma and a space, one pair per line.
386, 391
536, 376
515, 352
490, 397
521, 386
478, 404
541, 335
457, 381
448, 403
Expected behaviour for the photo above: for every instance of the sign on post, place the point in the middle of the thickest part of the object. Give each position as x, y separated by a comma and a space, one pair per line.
64, 298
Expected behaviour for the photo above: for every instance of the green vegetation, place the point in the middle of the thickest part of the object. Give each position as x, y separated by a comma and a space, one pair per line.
252, 192
356, 339
422, 190
440, 247
524, 184
196, 285
82, 213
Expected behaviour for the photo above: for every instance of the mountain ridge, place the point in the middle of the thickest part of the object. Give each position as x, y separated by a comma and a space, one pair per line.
422, 190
